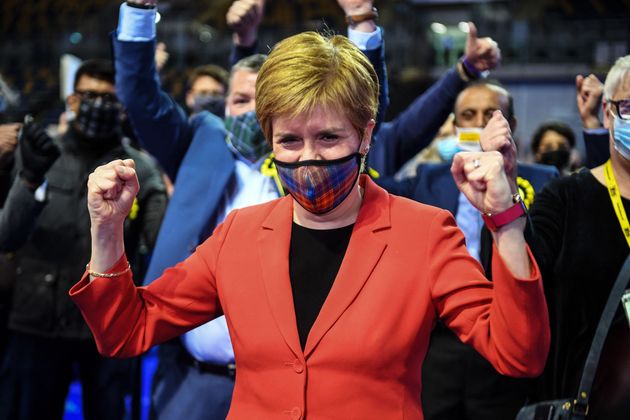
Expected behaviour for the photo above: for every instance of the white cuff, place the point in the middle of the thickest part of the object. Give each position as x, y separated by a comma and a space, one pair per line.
40, 192
600, 130
366, 40
135, 24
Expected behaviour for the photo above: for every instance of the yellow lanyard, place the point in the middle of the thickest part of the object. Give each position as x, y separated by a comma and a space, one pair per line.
615, 198
268, 168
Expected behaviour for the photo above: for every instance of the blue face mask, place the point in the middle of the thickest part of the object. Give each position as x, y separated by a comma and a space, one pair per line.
447, 148
621, 130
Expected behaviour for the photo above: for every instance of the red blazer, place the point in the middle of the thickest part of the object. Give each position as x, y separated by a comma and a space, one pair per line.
406, 265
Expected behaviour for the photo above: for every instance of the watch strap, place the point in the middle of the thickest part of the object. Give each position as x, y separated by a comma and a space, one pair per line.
354, 19
495, 221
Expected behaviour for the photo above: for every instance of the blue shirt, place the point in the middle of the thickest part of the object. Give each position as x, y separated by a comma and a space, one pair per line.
470, 222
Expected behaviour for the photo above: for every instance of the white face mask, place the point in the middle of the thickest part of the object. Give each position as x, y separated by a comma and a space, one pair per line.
468, 139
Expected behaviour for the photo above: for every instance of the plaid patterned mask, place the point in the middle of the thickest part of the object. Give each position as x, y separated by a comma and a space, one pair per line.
320, 185
245, 135
98, 118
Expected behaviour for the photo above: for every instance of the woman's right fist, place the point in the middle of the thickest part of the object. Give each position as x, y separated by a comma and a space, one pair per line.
111, 191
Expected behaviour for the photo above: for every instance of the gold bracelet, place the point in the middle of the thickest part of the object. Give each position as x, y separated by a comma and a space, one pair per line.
106, 275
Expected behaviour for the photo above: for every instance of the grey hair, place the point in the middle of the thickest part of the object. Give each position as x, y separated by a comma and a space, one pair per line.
252, 63
615, 76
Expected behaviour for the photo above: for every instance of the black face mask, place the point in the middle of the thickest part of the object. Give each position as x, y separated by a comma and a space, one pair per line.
98, 118
211, 103
558, 158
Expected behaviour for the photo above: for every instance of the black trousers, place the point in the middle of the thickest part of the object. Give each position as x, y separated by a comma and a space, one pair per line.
35, 374
458, 383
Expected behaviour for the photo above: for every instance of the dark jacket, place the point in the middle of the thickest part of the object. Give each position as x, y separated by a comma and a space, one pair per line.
56, 252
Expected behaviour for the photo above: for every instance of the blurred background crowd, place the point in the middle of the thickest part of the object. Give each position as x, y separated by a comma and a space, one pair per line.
544, 44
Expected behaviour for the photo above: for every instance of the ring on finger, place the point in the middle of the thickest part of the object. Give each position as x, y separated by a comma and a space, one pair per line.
476, 163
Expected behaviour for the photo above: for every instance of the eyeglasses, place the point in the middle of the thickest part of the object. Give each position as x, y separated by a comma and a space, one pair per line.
621, 108
92, 95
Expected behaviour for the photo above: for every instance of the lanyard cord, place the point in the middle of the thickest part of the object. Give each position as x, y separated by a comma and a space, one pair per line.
615, 198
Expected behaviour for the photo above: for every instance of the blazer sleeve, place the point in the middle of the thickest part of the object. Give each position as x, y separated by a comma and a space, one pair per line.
160, 124
505, 320
127, 320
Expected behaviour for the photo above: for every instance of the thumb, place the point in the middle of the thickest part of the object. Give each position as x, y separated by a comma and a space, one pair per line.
579, 79
497, 115
471, 39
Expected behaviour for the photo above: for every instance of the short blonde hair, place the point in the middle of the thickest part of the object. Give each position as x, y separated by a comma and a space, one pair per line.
309, 70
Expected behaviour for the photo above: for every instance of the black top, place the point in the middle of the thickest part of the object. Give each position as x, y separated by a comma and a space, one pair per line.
580, 249
314, 260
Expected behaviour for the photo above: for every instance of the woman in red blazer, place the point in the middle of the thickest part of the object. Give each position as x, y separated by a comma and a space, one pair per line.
331, 292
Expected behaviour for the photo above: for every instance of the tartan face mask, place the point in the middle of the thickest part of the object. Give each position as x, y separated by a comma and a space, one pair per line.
245, 135
320, 185
98, 118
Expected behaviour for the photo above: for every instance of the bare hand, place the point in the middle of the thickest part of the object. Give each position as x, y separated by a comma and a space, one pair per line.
497, 136
111, 191
355, 7
161, 55
143, 2
8, 143
244, 17
483, 53
589, 91
481, 177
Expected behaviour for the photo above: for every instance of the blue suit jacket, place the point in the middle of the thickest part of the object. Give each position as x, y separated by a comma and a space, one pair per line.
434, 183
193, 153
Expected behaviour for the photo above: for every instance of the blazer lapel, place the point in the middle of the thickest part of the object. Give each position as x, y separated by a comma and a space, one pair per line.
363, 253
273, 249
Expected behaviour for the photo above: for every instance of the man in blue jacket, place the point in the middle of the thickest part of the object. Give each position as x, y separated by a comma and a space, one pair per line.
216, 167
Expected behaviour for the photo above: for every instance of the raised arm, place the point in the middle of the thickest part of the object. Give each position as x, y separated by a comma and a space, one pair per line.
36, 154
128, 320
244, 17
588, 97
415, 127
160, 123
512, 332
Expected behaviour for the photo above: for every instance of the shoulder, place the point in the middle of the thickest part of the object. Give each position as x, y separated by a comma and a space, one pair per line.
254, 216
568, 188
411, 214
537, 171
207, 121
145, 163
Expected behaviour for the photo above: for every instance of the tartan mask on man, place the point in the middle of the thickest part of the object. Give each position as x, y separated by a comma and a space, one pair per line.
246, 136
98, 117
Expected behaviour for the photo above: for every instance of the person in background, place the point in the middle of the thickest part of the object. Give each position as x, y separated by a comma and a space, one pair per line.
21, 205
216, 166
581, 243
48, 340
441, 149
553, 143
330, 293
208, 88
401, 139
